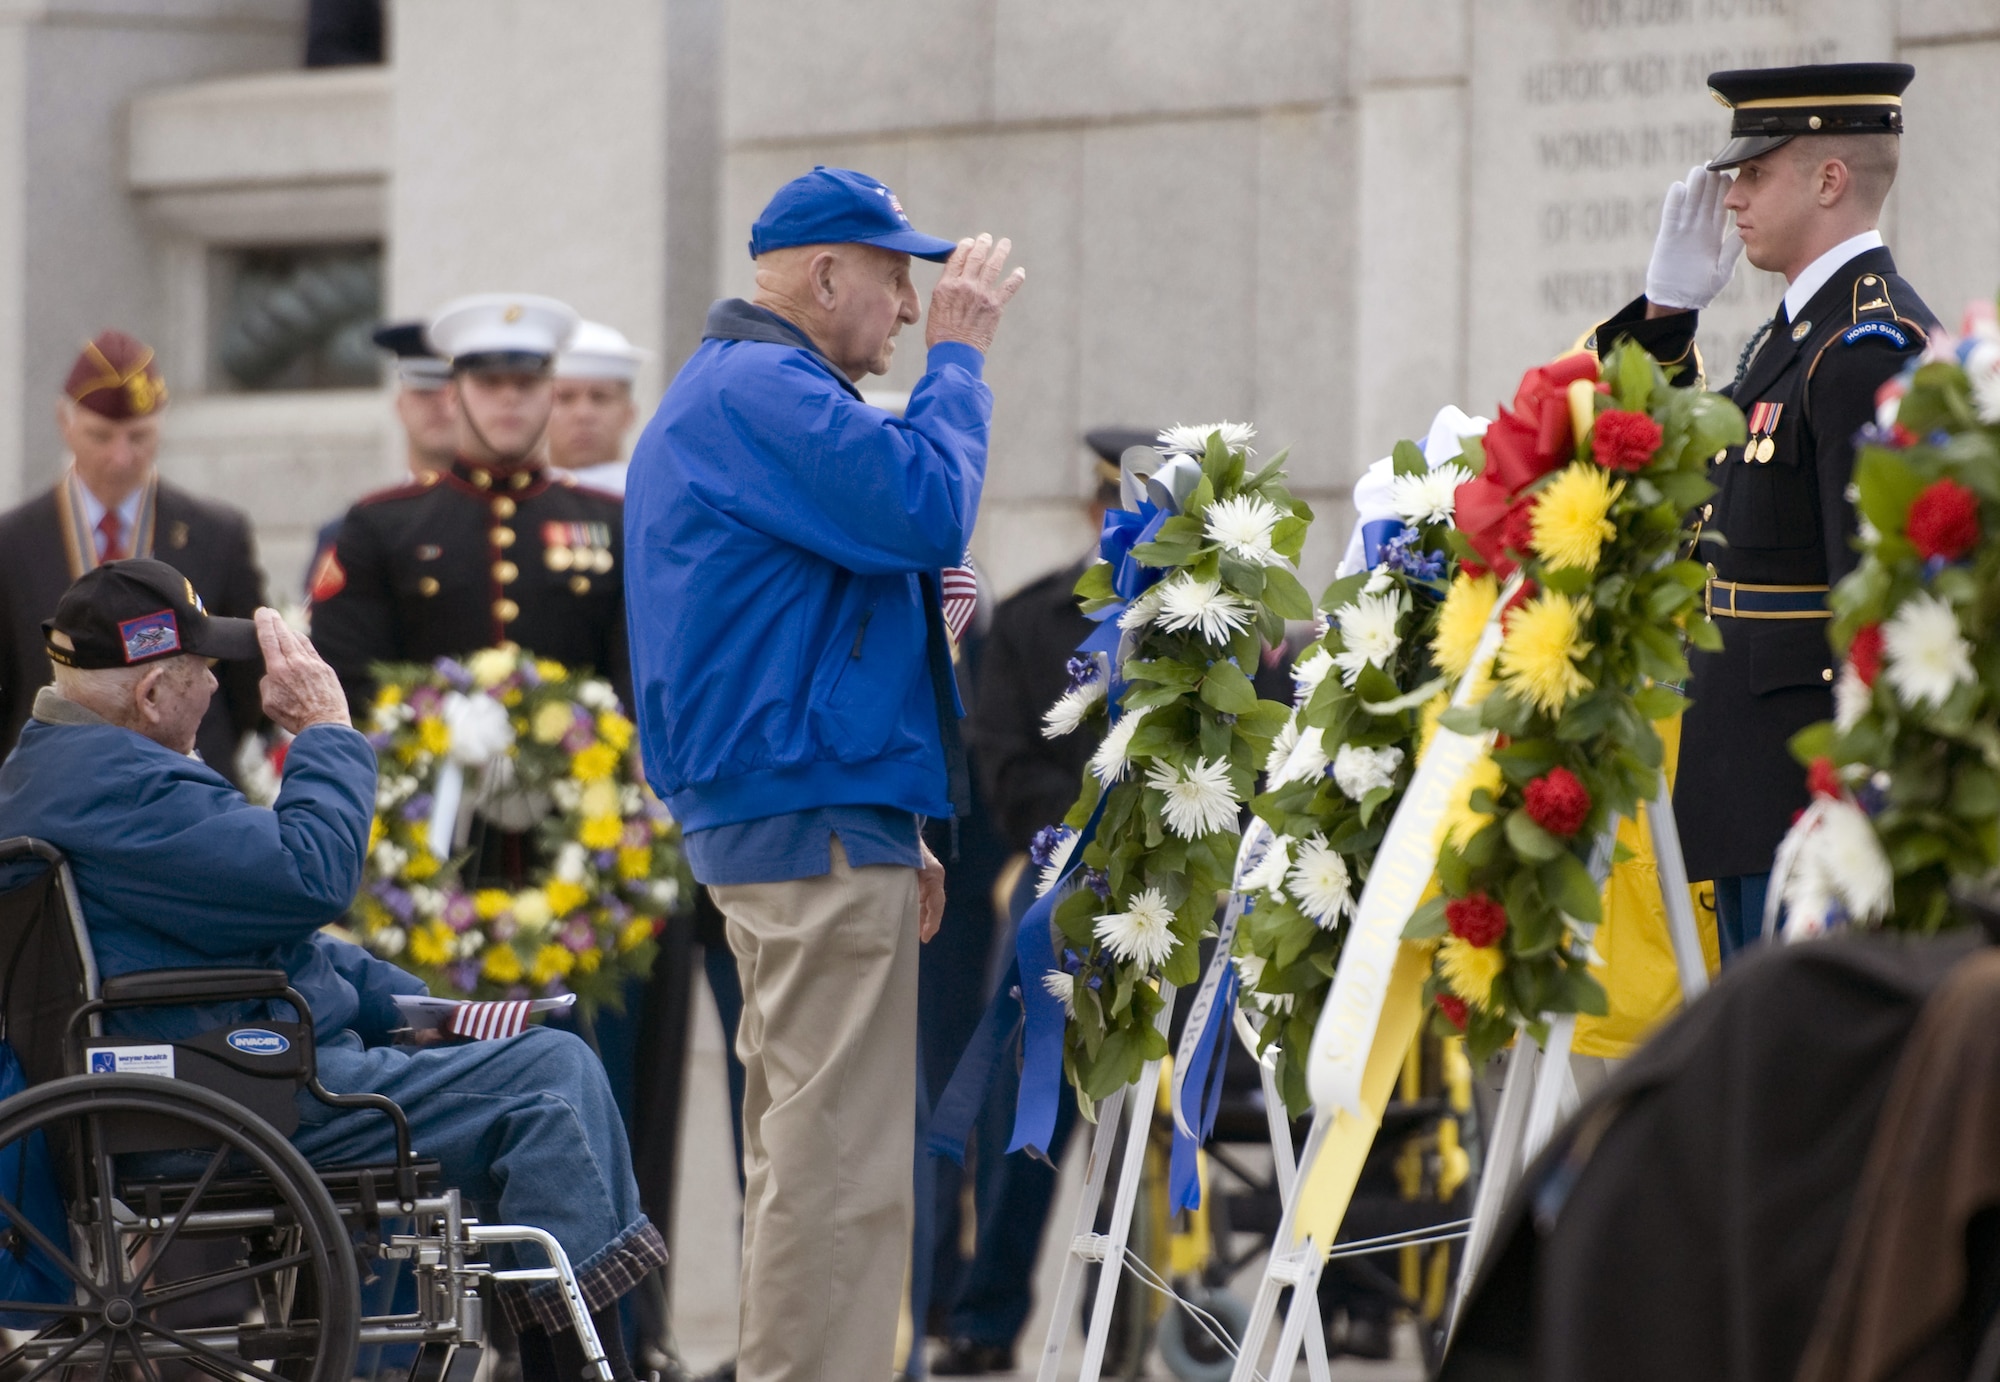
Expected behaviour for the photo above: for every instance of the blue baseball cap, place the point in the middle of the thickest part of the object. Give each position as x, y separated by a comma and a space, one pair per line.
837, 206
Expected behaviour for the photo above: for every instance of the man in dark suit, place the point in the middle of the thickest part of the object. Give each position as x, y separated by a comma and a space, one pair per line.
109, 504
1814, 150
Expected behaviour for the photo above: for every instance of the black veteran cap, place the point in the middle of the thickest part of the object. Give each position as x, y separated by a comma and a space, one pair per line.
1775, 105
124, 613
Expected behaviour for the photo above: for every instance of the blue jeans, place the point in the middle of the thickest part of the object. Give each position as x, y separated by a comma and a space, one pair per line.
1739, 912
525, 1128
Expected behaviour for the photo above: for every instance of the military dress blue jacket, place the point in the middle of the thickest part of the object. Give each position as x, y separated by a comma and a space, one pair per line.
175, 868
775, 529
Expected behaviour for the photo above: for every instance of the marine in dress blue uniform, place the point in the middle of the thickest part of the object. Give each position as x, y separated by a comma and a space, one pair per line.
1807, 385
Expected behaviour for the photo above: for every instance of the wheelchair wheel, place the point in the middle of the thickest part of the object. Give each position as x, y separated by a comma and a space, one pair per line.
200, 1243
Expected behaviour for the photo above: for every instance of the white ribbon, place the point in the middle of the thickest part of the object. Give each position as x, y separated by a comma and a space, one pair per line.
1256, 843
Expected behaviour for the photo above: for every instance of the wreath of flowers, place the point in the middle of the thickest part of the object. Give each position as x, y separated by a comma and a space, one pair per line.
1201, 600
1581, 487
539, 747
1906, 777
1370, 685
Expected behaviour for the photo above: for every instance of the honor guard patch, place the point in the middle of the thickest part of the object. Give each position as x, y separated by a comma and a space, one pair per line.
329, 577
150, 636
1889, 331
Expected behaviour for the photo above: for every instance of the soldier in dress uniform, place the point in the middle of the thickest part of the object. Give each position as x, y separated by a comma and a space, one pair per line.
1814, 152
498, 548
594, 410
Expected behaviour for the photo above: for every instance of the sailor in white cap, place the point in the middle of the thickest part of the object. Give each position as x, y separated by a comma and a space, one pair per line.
594, 409
498, 547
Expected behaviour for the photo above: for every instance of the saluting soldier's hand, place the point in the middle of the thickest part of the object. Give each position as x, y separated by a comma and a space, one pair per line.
930, 894
299, 689
970, 296
1695, 254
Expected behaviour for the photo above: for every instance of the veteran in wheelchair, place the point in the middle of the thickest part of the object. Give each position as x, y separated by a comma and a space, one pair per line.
153, 922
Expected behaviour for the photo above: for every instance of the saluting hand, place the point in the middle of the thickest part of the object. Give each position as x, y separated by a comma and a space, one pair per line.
1696, 252
970, 296
299, 689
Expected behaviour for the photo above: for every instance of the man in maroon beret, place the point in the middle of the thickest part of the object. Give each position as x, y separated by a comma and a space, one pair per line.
108, 504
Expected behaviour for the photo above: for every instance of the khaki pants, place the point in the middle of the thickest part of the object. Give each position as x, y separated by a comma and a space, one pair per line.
828, 1041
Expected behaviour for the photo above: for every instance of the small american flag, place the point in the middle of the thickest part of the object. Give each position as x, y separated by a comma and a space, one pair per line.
960, 588
489, 1021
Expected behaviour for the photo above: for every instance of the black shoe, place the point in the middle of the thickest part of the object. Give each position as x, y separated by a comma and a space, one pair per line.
966, 1358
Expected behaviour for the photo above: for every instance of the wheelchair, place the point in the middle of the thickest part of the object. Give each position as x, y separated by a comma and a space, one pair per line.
195, 1240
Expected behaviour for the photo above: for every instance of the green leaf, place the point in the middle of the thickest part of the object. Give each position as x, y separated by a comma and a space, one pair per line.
1463, 719
1406, 459
1427, 922
1703, 634
1814, 741
1166, 671
1228, 690
1567, 883
1246, 577
1165, 553
1284, 595
1635, 372
1887, 484
1530, 841
1343, 591
1288, 536
1657, 702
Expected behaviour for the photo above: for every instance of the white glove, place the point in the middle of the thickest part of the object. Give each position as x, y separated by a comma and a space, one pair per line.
1696, 253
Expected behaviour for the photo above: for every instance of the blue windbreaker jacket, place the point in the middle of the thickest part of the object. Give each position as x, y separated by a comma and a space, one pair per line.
775, 526
175, 868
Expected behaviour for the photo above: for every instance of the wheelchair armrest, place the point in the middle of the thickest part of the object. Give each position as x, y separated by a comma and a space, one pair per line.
177, 986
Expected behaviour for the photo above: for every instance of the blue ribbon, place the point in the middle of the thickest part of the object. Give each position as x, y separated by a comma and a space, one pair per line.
1125, 529
1375, 535
1205, 1077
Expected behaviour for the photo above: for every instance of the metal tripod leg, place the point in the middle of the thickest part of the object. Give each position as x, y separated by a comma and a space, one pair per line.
1103, 1140
1287, 1173
1499, 1162
1288, 1265
1671, 865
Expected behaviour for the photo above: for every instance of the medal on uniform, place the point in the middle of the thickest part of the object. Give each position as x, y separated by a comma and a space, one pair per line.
1763, 422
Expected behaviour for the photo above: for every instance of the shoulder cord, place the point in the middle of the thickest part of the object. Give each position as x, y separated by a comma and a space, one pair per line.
1750, 348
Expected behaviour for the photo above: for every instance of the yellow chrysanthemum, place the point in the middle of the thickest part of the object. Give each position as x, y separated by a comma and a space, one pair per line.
1538, 657
565, 898
389, 695
1461, 620
430, 944
601, 832
532, 911
491, 902
637, 932
551, 671
588, 959
423, 864
595, 763
1460, 822
615, 730
376, 832
1569, 521
634, 861
501, 965
491, 666
599, 799
1469, 970
432, 735
1427, 721
552, 961
552, 722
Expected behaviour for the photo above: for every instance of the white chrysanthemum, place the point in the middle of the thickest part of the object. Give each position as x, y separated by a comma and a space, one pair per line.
1183, 439
1851, 699
1306, 761
1838, 872
1926, 656
1062, 988
1243, 524
1142, 934
597, 695
390, 858
1321, 883
1282, 745
1249, 974
1113, 756
1142, 611
570, 861
389, 941
1204, 606
1269, 874
1982, 368
1071, 709
1379, 580
1199, 799
1367, 633
1358, 771
1059, 857
1427, 498
1308, 672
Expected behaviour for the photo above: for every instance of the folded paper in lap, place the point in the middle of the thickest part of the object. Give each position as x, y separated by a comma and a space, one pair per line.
477, 1021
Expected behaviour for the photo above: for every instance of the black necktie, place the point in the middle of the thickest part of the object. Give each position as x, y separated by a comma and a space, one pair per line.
1772, 330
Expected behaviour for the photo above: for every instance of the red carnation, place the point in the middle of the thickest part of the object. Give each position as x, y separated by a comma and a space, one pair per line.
1558, 802
1624, 441
1864, 653
1454, 1009
1477, 920
1944, 520
1823, 779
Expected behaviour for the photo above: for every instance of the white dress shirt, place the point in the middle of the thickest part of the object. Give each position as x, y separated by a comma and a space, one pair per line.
1825, 267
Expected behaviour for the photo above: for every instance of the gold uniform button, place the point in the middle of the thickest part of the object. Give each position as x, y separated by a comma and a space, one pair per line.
503, 537
601, 560
558, 559
1720, 456
482, 479
1826, 674
427, 586
506, 611
505, 572
522, 479
1707, 512
580, 585
503, 507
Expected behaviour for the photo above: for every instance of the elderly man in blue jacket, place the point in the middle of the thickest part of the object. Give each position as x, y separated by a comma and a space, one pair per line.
174, 869
796, 708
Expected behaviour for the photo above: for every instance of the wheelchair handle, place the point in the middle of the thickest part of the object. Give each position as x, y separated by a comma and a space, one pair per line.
155, 986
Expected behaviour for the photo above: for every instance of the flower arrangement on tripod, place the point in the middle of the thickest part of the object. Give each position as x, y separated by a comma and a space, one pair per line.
1369, 685
536, 749
1195, 583
1906, 777
1581, 491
